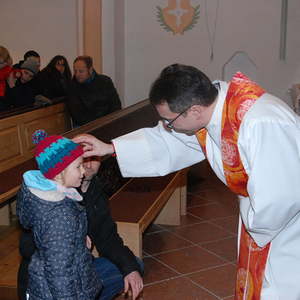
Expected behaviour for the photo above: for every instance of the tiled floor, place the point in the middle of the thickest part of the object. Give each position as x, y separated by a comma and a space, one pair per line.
195, 260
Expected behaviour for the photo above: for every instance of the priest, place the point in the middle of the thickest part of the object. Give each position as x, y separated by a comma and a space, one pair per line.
252, 141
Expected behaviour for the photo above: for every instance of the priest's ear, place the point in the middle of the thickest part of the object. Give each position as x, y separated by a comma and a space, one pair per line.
197, 110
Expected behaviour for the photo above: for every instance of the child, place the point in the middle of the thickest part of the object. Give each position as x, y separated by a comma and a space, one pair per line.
118, 269
61, 266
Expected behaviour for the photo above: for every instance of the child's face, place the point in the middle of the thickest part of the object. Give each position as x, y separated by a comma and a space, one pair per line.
73, 174
26, 75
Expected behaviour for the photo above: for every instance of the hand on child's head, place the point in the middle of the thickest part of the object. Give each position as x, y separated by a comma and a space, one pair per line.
91, 166
88, 142
78, 139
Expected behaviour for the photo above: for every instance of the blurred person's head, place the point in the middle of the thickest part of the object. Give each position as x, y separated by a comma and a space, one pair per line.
83, 68
60, 64
5, 58
34, 55
29, 69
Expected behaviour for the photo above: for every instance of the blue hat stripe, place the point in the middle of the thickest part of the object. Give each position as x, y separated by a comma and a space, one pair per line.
55, 153
55, 147
55, 158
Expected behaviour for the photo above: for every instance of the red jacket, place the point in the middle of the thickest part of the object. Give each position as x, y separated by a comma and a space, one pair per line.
4, 73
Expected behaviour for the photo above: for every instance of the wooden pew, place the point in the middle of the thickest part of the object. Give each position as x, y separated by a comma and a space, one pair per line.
134, 204
161, 200
16, 148
17, 127
9, 263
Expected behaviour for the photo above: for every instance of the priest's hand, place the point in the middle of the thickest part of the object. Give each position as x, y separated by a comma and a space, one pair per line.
133, 283
92, 146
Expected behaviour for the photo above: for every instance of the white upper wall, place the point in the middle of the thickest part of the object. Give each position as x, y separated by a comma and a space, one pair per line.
48, 27
249, 26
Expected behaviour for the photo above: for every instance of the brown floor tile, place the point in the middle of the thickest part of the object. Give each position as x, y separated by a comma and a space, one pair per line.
200, 189
176, 289
202, 232
226, 248
228, 198
220, 280
228, 223
212, 211
196, 200
155, 271
153, 228
190, 259
162, 241
188, 219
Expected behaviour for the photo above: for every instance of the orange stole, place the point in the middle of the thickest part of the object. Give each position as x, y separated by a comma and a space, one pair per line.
242, 94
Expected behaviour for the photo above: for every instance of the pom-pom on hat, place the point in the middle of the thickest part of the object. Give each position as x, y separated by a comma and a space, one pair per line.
54, 153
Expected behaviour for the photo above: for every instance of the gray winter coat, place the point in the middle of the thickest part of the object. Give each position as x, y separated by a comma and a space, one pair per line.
61, 267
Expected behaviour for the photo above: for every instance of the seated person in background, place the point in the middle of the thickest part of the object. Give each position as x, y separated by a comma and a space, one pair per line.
55, 78
29, 54
19, 89
5, 70
90, 95
118, 268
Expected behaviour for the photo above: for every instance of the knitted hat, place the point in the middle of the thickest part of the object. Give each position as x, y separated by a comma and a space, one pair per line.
54, 153
31, 64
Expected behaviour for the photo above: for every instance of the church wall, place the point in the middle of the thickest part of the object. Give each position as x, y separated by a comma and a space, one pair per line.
48, 27
249, 26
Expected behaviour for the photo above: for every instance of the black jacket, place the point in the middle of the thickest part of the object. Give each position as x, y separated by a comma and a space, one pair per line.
92, 99
52, 84
102, 230
21, 95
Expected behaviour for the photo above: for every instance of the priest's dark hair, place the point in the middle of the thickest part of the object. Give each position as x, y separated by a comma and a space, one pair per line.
182, 86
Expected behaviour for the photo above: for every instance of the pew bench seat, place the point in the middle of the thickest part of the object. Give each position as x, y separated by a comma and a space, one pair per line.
141, 201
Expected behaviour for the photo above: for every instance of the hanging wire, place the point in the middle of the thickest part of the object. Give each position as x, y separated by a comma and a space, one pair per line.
283, 29
211, 35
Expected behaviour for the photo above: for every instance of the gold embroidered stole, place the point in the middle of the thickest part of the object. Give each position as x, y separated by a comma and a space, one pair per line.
242, 94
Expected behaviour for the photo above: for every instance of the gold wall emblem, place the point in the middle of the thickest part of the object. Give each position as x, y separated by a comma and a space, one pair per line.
179, 16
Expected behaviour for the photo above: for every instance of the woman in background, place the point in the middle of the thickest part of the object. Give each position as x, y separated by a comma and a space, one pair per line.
55, 78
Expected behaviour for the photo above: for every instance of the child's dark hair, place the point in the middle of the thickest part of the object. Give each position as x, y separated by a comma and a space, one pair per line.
31, 53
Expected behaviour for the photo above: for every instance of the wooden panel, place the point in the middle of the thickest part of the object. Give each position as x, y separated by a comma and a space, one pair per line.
53, 124
170, 213
8, 293
132, 237
16, 130
10, 147
4, 215
9, 263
